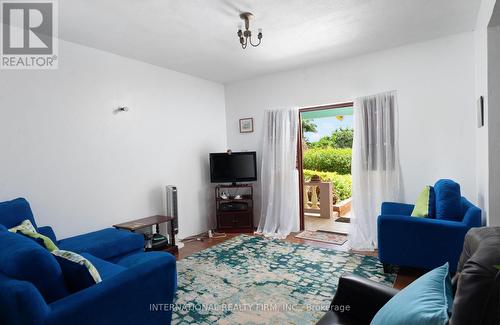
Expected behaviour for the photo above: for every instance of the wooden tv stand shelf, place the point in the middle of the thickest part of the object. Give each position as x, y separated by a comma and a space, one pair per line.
232, 214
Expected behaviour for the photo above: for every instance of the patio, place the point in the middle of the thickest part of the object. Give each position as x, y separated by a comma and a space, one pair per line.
320, 210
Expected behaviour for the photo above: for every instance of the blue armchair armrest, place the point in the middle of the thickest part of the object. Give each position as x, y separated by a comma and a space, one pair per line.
49, 232
472, 214
127, 298
395, 208
422, 242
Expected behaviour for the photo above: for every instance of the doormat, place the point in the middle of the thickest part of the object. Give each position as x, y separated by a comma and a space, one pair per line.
343, 219
323, 236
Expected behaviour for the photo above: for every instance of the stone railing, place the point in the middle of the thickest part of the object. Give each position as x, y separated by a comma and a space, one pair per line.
322, 204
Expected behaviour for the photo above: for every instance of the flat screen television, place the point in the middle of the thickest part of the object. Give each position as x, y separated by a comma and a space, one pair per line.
233, 168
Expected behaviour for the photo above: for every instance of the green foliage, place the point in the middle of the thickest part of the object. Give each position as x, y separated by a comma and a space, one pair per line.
309, 126
329, 160
342, 184
322, 143
340, 138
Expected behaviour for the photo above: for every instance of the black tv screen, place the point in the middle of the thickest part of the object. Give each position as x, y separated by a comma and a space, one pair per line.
233, 168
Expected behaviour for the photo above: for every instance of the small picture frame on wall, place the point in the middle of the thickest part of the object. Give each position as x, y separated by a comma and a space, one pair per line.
246, 125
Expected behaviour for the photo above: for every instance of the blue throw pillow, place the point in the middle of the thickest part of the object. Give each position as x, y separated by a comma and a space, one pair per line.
23, 259
428, 300
448, 200
14, 212
2, 228
79, 272
432, 203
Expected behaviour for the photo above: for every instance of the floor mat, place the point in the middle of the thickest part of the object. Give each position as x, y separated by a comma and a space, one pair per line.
323, 236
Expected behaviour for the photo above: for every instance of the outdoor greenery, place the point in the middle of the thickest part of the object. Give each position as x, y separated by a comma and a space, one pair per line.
340, 138
329, 160
309, 126
342, 184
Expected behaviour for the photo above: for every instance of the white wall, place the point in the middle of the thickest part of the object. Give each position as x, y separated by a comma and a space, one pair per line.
435, 84
83, 167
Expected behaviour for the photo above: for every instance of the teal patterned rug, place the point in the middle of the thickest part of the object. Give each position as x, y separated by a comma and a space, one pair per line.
254, 280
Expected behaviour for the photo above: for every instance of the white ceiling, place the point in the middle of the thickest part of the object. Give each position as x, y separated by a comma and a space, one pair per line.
198, 37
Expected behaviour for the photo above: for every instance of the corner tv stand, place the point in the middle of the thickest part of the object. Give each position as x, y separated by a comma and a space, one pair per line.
232, 214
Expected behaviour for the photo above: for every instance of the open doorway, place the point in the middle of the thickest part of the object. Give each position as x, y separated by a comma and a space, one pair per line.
325, 156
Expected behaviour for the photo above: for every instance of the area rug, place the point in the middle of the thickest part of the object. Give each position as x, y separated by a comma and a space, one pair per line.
254, 280
323, 236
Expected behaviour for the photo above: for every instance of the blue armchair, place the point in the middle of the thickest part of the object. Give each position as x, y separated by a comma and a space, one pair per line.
422, 242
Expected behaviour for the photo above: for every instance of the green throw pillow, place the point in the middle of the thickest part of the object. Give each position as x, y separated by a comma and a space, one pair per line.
26, 225
27, 229
423, 204
41, 239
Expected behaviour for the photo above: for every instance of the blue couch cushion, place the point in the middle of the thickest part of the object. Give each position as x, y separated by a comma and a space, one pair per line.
145, 257
23, 259
105, 244
12, 213
428, 300
448, 200
106, 269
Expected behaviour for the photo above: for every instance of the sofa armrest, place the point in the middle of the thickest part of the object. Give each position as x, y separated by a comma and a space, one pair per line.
472, 217
420, 242
363, 296
20, 302
49, 232
127, 297
397, 208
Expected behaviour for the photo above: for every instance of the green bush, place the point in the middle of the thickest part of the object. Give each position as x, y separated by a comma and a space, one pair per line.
342, 184
329, 160
340, 138
322, 143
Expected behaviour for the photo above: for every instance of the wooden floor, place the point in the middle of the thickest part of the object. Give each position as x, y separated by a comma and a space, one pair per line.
404, 276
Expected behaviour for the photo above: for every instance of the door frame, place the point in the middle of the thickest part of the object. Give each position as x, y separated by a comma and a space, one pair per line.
300, 157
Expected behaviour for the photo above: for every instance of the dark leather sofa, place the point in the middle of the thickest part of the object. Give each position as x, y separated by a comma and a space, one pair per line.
476, 287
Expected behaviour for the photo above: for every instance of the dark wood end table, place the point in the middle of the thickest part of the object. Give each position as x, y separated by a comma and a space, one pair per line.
137, 224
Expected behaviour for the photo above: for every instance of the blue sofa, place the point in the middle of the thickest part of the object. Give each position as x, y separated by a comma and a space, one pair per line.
33, 289
422, 242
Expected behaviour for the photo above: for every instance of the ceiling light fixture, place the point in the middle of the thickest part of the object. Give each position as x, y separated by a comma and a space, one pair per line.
246, 35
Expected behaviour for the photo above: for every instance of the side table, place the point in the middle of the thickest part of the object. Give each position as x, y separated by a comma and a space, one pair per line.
137, 224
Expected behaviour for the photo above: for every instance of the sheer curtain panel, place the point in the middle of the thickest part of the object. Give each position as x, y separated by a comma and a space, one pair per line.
375, 165
279, 176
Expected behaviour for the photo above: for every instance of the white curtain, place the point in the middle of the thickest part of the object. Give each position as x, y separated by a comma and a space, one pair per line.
279, 176
375, 165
